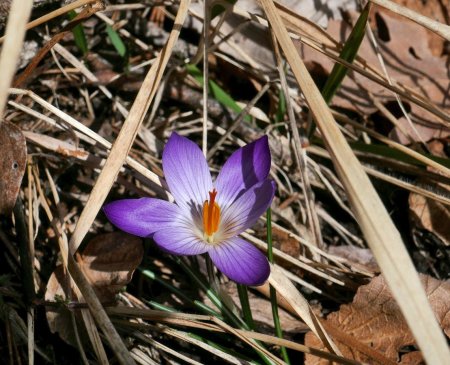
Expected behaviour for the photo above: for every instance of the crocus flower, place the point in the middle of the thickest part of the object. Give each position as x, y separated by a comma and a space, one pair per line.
206, 216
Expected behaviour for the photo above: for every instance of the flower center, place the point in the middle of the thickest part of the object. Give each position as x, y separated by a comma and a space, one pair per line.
211, 216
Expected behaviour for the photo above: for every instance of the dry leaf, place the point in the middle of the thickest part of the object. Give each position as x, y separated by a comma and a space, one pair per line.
431, 215
374, 319
435, 10
108, 261
13, 150
356, 256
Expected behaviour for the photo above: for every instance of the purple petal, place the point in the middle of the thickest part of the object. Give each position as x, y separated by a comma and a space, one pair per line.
241, 261
180, 240
246, 210
187, 173
142, 217
245, 167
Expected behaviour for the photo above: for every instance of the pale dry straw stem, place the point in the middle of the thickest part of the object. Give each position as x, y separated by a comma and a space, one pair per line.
30, 335
301, 265
296, 279
141, 357
186, 337
409, 186
124, 7
315, 37
375, 222
395, 122
440, 29
302, 241
318, 171
30, 311
124, 32
253, 64
15, 33
99, 314
300, 155
225, 38
300, 305
147, 339
247, 340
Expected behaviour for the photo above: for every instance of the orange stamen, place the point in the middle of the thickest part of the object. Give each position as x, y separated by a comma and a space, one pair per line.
211, 214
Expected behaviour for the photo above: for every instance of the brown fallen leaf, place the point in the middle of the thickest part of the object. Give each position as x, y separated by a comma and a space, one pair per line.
108, 261
13, 150
435, 10
431, 215
356, 256
374, 320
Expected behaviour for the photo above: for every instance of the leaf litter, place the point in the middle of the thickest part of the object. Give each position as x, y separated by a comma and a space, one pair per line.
75, 105
12, 166
108, 261
374, 311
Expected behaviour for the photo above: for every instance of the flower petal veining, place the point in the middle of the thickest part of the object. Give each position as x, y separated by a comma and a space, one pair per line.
143, 217
245, 167
246, 210
240, 261
186, 172
180, 241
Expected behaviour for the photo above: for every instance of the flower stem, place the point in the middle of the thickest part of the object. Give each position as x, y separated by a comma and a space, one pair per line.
211, 274
245, 304
273, 292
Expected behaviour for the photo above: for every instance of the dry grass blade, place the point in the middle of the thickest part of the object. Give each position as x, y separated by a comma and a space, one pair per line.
189, 339
398, 146
390, 179
203, 322
377, 226
288, 291
121, 147
15, 33
84, 131
147, 339
440, 29
300, 156
247, 340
